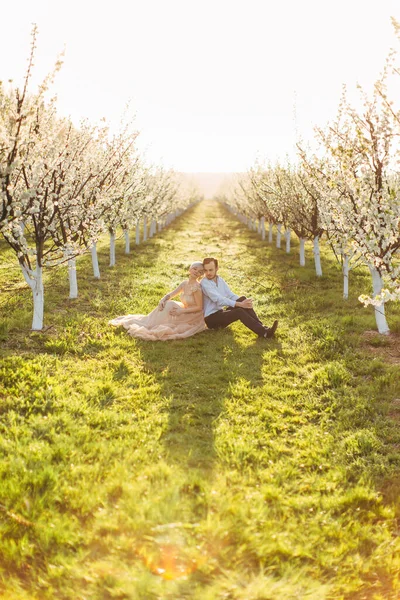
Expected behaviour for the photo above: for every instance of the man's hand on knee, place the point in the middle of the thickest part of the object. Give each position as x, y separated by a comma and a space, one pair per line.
246, 303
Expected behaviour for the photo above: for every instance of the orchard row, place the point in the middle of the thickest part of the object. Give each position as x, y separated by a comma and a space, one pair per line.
63, 186
347, 189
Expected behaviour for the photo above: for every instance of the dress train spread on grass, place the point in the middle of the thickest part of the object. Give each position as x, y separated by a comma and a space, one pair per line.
161, 325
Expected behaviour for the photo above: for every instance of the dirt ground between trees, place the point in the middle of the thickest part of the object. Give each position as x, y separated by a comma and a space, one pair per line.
386, 347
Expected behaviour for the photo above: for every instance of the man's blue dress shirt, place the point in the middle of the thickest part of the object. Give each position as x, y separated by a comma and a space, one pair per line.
216, 295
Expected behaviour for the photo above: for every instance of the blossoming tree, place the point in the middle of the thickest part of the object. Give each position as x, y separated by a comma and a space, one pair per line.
365, 191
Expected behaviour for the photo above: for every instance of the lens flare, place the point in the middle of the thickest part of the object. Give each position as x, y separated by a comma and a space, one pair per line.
170, 556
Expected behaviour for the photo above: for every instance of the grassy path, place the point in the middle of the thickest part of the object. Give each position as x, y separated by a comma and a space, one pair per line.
218, 467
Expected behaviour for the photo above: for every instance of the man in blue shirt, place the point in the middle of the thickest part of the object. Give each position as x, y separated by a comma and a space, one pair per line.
217, 295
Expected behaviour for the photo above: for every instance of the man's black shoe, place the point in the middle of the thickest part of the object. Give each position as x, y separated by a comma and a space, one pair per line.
270, 331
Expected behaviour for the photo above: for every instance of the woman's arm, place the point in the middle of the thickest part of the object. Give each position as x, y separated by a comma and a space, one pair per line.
170, 295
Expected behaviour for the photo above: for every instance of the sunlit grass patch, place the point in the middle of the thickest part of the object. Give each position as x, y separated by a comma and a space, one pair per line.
221, 466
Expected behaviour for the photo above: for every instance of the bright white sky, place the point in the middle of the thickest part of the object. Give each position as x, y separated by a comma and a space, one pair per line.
212, 82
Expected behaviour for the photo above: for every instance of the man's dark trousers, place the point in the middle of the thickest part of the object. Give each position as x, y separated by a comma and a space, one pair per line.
223, 318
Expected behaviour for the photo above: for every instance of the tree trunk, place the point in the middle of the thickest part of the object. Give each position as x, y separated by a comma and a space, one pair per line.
380, 318
73, 282
262, 228
144, 229
95, 262
345, 276
137, 236
112, 249
35, 281
270, 226
287, 237
127, 242
302, 252
278, 236
317, 257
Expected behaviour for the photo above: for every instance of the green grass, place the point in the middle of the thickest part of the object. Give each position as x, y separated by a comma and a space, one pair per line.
217, 467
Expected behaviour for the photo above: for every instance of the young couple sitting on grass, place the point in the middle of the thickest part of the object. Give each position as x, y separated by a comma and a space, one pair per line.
206, 301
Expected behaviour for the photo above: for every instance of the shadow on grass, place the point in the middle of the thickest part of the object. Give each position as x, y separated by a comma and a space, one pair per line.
197, 375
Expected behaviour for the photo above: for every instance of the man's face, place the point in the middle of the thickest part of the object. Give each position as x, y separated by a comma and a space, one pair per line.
210, 270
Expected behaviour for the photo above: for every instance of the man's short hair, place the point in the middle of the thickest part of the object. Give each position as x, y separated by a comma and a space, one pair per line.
206, 261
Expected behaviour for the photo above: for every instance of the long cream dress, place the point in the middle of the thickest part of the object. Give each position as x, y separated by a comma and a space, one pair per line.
160, 325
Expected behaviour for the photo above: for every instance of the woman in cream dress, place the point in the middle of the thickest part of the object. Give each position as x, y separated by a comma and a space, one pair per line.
171, 320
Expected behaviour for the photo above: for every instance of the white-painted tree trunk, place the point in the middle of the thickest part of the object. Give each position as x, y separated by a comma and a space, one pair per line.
278, 236
287, 237
317, 257
127, 242
73, 282
262, 221
137, 233
112, 249
345, 276
35, 281
144, 229
270, 227
95, 262
302, 252
38, 300
160, 225
380, 317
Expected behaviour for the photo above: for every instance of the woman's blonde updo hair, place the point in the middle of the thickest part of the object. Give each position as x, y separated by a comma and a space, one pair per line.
197, 264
